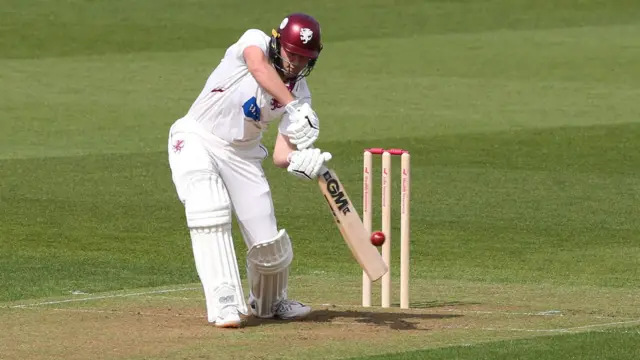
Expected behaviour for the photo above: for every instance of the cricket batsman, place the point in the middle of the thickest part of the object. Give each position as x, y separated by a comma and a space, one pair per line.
216, 155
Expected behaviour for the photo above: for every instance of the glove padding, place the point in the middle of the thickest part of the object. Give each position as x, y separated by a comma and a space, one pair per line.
305, 126
307, 163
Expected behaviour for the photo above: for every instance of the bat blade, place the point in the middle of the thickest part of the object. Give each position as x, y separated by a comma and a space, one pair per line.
350, 225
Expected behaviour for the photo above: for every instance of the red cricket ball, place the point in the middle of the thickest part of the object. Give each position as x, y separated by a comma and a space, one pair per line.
378, 238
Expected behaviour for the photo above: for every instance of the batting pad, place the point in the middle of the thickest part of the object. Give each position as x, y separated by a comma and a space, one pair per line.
268, 271
208, 212
207, 203
217, 268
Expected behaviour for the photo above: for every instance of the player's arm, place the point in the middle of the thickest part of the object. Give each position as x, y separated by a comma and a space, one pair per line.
306, 129
281, 150
306, 163
266, 75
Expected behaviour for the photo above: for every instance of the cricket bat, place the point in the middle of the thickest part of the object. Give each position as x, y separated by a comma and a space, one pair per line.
350, 225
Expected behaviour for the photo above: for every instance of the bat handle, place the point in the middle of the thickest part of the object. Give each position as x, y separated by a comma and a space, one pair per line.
323, 168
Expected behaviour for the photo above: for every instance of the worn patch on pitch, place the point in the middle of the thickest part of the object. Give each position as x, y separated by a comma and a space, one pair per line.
172, 324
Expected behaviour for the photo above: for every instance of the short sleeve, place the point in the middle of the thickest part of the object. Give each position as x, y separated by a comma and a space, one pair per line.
251, 37
303, 94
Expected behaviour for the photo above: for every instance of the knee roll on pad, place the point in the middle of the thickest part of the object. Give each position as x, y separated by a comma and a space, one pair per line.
271, 256
207, 203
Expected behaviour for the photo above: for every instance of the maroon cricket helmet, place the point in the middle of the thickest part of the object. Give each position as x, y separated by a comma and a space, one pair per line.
298, 33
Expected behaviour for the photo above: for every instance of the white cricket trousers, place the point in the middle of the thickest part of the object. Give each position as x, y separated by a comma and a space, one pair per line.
192, 149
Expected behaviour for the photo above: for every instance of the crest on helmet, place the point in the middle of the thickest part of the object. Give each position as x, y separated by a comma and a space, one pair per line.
305, 35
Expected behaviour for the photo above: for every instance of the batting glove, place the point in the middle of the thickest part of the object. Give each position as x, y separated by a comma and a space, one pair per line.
305, 126
307, 163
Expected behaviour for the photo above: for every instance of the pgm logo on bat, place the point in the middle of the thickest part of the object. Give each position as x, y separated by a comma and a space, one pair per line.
333, 187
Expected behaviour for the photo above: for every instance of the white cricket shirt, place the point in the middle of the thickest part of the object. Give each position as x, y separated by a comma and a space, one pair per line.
232, 105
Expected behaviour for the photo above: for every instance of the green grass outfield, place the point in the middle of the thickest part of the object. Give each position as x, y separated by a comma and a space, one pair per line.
522, 118
611, 344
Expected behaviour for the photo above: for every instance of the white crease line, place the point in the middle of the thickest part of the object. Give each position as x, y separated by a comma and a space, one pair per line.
436, 310
178, 298
101, 297
91, 311
540, 313
637, 321
527, 330
479, 312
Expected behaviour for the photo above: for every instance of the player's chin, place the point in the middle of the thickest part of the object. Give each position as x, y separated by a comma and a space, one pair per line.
292, 73
290, 76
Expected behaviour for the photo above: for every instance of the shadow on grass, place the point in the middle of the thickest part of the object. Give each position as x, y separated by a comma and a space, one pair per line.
394, 320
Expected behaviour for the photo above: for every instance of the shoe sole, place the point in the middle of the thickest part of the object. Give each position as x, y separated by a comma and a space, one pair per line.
231, 325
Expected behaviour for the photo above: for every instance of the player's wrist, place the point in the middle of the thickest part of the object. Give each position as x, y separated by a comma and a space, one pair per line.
290, 155
292, 106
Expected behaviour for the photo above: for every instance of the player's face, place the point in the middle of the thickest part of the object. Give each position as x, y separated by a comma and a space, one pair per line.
293, 63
